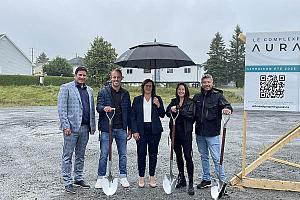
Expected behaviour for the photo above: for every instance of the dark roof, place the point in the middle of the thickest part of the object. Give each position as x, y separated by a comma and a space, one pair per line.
77, 61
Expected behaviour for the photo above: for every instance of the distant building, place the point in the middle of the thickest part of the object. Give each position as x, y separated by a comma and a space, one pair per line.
37, 69
231, 84
187, 74
76, 62
12, 60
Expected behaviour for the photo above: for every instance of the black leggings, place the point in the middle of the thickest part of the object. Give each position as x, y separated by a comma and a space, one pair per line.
183, 142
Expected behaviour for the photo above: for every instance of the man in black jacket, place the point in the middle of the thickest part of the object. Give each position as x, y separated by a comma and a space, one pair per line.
210, 104
109, 97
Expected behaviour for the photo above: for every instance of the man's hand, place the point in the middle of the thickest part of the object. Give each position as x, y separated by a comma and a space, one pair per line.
107, 109
226, 111
129, 135
136, 136
67, 131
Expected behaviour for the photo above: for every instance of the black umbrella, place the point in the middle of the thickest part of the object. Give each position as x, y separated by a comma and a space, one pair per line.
154, 55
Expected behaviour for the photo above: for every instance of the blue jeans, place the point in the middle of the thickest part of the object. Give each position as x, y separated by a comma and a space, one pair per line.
77, 141
210, 145
120, 136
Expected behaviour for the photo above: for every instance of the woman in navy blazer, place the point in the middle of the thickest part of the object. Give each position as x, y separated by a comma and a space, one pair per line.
147, 109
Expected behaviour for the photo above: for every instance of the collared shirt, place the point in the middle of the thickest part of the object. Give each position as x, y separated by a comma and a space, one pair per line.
85, 103
116, 103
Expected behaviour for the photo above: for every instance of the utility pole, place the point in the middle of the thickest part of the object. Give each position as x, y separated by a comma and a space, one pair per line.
32, 72
32, 55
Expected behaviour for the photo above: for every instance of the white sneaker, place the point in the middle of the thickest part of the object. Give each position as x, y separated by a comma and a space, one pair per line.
98, 184
124, 182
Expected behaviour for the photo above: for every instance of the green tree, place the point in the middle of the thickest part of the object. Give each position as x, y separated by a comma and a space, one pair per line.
236, 58
216, 64
58, 67
42, 58
99, 60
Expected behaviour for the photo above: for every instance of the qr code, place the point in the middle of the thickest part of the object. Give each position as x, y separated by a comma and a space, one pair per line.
272, 86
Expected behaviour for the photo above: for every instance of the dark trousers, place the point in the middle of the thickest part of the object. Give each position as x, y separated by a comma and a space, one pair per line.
150, 140
183, 142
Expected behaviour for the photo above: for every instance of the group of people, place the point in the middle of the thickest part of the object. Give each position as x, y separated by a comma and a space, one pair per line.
142, 121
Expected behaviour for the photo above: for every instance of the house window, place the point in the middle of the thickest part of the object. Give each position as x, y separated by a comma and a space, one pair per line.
146, 71
169, 70
129, 71
187, 70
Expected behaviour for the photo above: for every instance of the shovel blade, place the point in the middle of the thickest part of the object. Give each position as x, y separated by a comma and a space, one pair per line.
169, 183
110, 186
222, 190
215, 189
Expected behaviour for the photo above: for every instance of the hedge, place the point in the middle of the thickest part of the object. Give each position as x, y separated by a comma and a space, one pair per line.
57, 80
6, 80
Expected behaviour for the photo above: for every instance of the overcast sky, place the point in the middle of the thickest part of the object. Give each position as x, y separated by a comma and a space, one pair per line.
67, 27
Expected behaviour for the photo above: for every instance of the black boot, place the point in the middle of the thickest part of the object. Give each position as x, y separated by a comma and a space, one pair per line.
191, 187
181, 182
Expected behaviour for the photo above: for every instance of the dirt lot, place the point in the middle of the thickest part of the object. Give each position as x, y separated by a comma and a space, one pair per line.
31, 148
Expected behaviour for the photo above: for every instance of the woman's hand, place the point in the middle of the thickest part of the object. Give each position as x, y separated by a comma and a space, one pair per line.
156, 102
174, 109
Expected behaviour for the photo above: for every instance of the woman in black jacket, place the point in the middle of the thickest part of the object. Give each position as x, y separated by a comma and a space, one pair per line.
183, 133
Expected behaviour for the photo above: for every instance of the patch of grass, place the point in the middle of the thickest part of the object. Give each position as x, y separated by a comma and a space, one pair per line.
47, 95
28, 95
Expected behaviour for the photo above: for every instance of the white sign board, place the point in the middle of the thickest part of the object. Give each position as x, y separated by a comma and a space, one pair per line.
272, 71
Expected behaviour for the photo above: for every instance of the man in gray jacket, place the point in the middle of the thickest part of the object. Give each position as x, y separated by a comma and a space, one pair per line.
76, 112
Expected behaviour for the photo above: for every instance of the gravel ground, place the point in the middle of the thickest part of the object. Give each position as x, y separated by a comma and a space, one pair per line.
31, 148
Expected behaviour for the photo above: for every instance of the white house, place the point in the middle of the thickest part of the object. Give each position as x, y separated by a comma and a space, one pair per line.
12, 60
187, 74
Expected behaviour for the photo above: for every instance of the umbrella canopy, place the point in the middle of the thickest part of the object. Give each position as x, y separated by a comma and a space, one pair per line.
154, 55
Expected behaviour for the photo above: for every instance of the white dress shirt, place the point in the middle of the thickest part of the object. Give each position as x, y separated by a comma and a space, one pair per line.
147, 106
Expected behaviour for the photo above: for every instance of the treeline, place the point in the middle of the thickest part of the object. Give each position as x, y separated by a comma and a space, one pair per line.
226, 65
99, 60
